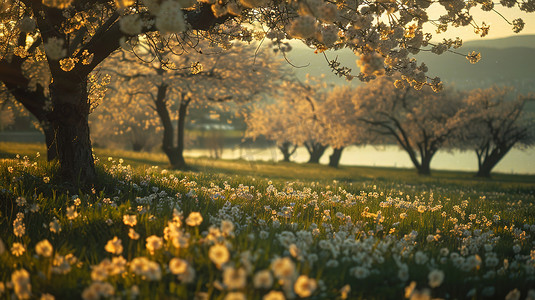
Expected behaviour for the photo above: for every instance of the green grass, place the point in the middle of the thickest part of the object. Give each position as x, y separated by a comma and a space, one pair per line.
374, 230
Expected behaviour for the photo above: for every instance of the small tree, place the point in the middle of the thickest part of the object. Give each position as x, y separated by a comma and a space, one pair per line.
495, 123
206, 76
421, 122
338, 116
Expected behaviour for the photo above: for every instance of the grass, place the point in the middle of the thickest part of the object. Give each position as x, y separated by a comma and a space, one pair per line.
268, 231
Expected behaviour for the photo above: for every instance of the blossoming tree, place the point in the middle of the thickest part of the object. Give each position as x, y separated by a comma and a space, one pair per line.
73, 37
211, 77
495, 123
420, 122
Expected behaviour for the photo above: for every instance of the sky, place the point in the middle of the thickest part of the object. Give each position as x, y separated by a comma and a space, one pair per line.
498, 26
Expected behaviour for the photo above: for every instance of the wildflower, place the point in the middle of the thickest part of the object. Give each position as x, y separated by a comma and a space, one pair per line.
97, 290
18, 249
44, 248
54, 226
410, 289
21, 284
227, 227
435, 278
114, 246
513, 295
77, 201
188, 276
146, 268
47, 297
360, 272
274, 295
46, 179
21, 201
71, 212
218, 254
305, 286
234, 296
422, 208
154, 243
178, 266
263, 279
234, 278
344, 291
133, 234
420, 258
194, 219
283, 267
130, 220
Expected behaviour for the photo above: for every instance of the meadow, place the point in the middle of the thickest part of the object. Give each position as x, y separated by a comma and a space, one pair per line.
259, 230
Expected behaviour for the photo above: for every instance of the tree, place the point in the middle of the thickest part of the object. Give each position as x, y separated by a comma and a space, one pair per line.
421, 122
212, 77
341, 129
495, 123
292, 120
75, 36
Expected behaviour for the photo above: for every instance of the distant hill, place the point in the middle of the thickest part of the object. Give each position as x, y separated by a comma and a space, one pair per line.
527, 41
505, 61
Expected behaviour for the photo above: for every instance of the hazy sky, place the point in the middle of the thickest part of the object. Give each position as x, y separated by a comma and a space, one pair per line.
499, 28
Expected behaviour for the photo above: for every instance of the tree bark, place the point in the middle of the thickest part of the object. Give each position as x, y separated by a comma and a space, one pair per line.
315, 150
286, 150
182, 112
334, 158
489, 161
69, 120
425, 166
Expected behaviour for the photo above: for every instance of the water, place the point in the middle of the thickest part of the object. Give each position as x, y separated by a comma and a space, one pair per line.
516, 161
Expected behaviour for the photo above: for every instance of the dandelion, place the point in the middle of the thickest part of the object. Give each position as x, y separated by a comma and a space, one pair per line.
435, 278
44, 248
46, 179
132, 234
218, 254
274, 295
234, 278
235, 296
71, 212
263, 279
77, 201
114, 246
194, 219
54, 226
178, 266
227, 227
21, 284
283, 267
344, 291
17, 249
154, 243
130, 220
305, 286
513, 295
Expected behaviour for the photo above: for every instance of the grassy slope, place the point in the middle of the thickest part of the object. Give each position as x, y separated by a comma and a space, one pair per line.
295, 171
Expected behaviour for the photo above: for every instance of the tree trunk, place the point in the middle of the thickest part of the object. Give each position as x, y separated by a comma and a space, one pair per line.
334, 159
286, 150
315, 150
50, 140
490, 161
182, 112
425, 166
69, 120
168, 130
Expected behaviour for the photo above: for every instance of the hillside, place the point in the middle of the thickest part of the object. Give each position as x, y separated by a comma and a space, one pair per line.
506, 61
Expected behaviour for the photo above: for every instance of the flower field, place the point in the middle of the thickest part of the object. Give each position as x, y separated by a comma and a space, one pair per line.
144, 233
